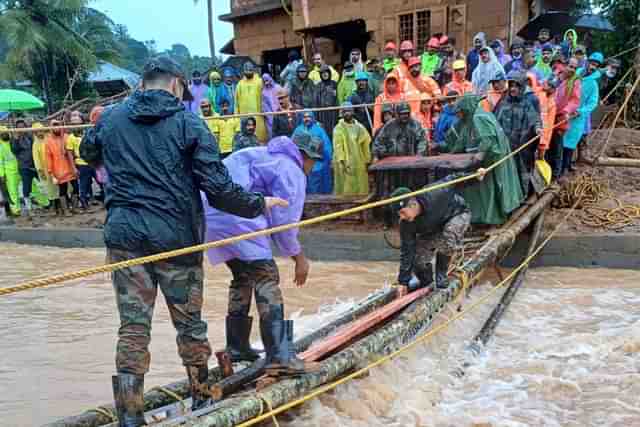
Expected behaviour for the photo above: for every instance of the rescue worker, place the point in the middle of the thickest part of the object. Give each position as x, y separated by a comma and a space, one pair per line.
246, 138
425, 114
301, 89
391, 60
392, 93
432, 225
478, 132
278, 169
61, 168
22, 148
40, 163
546, 96
285, 123
403, 136
326, 95
248, 99
459, 84
406, 53
9, 174
498, 87
363, 95
320, 180
520, 121
430, 60
416, 84
347, 84
351, 155
150, 144
318, 65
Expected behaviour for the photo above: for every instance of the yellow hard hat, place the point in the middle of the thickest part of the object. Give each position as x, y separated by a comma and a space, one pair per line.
545, 170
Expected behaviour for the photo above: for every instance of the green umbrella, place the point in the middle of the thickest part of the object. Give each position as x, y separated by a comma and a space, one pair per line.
17, 100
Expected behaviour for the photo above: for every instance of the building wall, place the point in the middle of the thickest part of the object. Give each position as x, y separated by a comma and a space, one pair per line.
255, 34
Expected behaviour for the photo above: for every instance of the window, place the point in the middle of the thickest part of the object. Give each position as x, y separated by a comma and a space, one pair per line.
416, 27
423, 25
405, 30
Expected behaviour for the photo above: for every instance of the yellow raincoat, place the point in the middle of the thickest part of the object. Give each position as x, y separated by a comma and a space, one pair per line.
50, 190
249, 100
351, 154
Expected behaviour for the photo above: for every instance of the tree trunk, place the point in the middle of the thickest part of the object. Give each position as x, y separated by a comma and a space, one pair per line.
212, 42
619, 162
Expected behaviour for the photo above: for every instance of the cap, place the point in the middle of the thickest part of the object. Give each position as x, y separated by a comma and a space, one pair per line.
406, 45
400, 191
433, 42
403, 107
166, 64
459, 65
498, 77
444, 39
597, 57
247, 67
390, 46
347, 106
414, 60
547, 47
214, 75
311, 146
302, 67
362, 75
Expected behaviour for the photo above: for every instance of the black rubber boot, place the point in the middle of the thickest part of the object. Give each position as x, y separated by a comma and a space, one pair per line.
57, 203
277, 337
425, 277
128, 394
200, 395
238, 331
442, 267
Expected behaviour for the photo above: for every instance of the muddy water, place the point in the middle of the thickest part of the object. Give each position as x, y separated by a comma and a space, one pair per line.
567, 353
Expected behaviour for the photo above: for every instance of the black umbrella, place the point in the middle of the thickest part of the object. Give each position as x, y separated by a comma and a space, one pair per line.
594, 23
557, 22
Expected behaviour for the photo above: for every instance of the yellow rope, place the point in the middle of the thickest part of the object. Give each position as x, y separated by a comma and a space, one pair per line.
424, 338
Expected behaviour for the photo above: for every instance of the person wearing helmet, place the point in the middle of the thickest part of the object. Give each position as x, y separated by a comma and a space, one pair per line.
459, 84
498, 88
406, 53
520, 121
416, 84
391, 93
248, 98
347, 84
403, 136
430, 59
301, 89
391, 60
363, 95
473, 58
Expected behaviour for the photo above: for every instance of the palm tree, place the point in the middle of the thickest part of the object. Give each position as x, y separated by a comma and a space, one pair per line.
212, 43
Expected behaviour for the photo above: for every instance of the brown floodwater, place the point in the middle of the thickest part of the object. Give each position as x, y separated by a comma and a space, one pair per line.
566, 354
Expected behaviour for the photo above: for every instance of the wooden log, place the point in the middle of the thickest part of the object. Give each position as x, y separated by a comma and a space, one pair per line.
396, 333
445, 161
618, 162
155, 399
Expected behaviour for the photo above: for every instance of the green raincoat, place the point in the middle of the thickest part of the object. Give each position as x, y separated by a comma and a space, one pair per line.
10, 175
492, 200
351, 155
346, 87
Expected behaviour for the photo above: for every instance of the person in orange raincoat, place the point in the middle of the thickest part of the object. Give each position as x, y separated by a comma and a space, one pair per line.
406, 53
416, 84
547, 97
498, 88
425, 115
391, 92
60, 165
459, 82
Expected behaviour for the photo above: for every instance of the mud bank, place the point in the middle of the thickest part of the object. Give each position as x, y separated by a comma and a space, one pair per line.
610, 250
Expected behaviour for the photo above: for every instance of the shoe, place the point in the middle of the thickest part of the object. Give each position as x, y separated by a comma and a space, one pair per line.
277, 336
425, 277
200, 395
442, 268
57, 203
129, 398
238, 331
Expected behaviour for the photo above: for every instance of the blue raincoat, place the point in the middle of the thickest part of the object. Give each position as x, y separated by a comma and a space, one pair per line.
320, 181
589, 99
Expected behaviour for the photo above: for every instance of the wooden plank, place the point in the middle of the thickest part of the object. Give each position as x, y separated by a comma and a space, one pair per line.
448, 161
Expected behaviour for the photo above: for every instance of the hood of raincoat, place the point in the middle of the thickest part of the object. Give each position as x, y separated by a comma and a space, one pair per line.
482, 37
575, 37
313, 118
484, 72
324, 68
284, 145
386, 81
468, 106
267, 79
151, 106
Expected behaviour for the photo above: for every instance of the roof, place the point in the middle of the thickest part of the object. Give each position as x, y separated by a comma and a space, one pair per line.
264, 6
229, 48
107, 72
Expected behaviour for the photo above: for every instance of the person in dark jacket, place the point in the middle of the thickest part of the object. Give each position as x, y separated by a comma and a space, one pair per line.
302, 89
247, 136
159, 158
22, 148
402, 136
431, 224
326, 95
363, 95
285, 122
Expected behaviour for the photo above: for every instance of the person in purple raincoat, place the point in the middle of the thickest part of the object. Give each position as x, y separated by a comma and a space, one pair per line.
199, 91
270, 101
278, 169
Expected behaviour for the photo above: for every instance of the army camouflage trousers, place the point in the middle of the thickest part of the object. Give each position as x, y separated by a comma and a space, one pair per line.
260, 277
136, 289
446, 242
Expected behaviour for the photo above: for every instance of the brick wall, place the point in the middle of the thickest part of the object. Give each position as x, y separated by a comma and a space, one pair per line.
255, 34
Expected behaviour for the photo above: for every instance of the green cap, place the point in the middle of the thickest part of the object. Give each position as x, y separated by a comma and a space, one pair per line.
400, 191
309, 145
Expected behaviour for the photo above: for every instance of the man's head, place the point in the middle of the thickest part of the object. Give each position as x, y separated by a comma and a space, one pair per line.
485, 54
308, 118
544, 35
404, 113
196, 77
347, 112
205, 107
415, 66
163, 73
293, 55
407, 209
547, 53
595, 62
406, 50
516, 50
248, 70
317, 59
387, 113
311, 149
391, 84
425, 103
529, 59
4, 134
214, 78
570, 69
498, 82
459, 69
302, 72
56, 124
580, 53
390, 50
496, 47
250, 126
362, 80
325, 73
613, 66
21, 123
283, 99
227, 76
348, 68
478, 43
224, 107
549, 86
452, 96
515, 86
355, 56
433, 45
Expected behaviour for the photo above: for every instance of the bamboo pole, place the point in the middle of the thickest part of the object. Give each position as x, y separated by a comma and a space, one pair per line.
155, 398
618, 162
399, 331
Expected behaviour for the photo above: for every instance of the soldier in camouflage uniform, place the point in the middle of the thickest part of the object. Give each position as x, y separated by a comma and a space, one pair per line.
403, 136
432, 223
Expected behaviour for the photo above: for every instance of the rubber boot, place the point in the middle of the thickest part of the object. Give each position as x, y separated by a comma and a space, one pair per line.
69, 206
425, 277
238, 331
129, 398
200, 395
26, 206
277, 336
58, 206
442, 268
